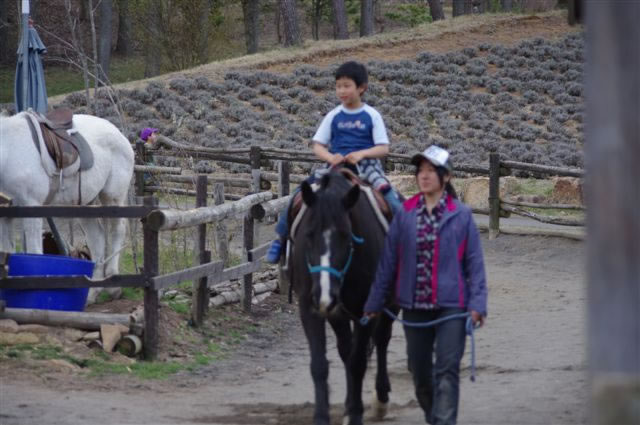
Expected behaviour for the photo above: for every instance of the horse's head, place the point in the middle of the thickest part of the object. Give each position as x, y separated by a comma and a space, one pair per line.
328, 240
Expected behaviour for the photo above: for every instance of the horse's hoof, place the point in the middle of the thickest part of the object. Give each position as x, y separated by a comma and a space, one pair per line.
346, 420
379, 409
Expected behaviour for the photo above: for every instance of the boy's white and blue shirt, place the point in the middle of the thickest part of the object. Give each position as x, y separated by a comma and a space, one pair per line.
349, 130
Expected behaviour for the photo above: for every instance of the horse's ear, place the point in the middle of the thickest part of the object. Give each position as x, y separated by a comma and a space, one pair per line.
351, 197
308, 196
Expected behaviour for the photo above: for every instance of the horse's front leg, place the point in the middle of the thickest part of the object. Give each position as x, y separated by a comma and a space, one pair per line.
314, 329
342, 330
357, 366
381, 337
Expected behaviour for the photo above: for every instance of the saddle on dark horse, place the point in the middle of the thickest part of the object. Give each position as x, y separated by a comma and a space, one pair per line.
64, 144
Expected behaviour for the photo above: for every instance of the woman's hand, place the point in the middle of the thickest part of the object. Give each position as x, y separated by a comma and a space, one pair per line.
477, 319
367, 317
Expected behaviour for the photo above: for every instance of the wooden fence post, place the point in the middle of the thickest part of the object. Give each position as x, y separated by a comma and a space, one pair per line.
222, 244
254, 157
200, 300
494, 195
284, 172
141, 153
151, 298
248, 246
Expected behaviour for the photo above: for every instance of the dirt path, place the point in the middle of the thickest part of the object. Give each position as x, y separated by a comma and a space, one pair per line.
530, 356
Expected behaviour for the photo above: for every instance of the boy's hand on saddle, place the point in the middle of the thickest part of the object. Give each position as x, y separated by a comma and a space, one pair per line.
354, 157
336, 159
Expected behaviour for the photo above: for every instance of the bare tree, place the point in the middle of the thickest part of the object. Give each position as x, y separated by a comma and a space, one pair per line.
340, 20
291, 29
612, 175
251, 12
77, 46
435, 7
104, 44
366, 18
124, 41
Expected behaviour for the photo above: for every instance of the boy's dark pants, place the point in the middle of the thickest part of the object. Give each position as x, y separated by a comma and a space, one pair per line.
437, 389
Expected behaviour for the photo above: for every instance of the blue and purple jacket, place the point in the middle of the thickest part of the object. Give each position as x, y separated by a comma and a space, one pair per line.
458, 277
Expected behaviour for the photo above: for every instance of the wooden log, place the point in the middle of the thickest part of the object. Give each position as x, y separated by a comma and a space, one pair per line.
273, 207
222, 243
156, 169
195, 154
171, 219
129, 345
151, 296
89, 321
254, 156
494, 195
545, 169
228, 181
186, 192
543, 206
164, 140
545, 219
487, 211
293, 178
260, 251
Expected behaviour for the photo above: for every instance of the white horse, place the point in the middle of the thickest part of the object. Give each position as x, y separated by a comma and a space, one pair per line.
31, 178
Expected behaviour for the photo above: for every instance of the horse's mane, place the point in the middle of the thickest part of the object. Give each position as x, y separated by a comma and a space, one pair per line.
328, 208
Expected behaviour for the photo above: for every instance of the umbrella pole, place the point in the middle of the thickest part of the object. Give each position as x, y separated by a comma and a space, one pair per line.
25, 51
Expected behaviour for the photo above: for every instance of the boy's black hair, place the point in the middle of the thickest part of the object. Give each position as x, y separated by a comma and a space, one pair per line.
354, 71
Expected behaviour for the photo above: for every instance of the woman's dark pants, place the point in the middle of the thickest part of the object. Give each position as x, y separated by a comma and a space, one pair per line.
437, 388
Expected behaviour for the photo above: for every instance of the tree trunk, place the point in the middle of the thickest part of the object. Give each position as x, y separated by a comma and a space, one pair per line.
612, 175
153, 57
123, 42
506, 5
366, 18
468, 7
291, 30
340, 20
104, 47
4, 35
435, 7
316, 7
251, 13
458, 8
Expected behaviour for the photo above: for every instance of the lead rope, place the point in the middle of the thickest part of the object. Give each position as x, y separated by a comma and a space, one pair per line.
469, 328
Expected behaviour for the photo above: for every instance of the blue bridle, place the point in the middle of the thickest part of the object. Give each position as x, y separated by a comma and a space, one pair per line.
339, 274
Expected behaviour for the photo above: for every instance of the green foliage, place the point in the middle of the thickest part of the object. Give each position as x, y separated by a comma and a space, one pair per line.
135, 294
178, 307
410, 14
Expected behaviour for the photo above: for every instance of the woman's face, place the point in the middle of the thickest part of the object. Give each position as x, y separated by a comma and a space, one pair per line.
427, 178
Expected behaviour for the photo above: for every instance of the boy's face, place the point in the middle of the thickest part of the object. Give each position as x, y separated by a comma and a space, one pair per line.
348, 93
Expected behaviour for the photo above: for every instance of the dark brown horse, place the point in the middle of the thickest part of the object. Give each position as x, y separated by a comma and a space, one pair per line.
334, 257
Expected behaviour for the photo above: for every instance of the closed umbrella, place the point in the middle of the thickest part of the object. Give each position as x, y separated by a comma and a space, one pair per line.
31, 63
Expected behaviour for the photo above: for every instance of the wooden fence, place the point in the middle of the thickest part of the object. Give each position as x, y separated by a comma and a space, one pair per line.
254, 206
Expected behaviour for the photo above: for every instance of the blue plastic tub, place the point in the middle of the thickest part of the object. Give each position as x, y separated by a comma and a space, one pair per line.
69, 299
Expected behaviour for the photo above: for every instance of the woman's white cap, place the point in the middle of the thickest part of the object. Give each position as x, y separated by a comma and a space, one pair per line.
435, 155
